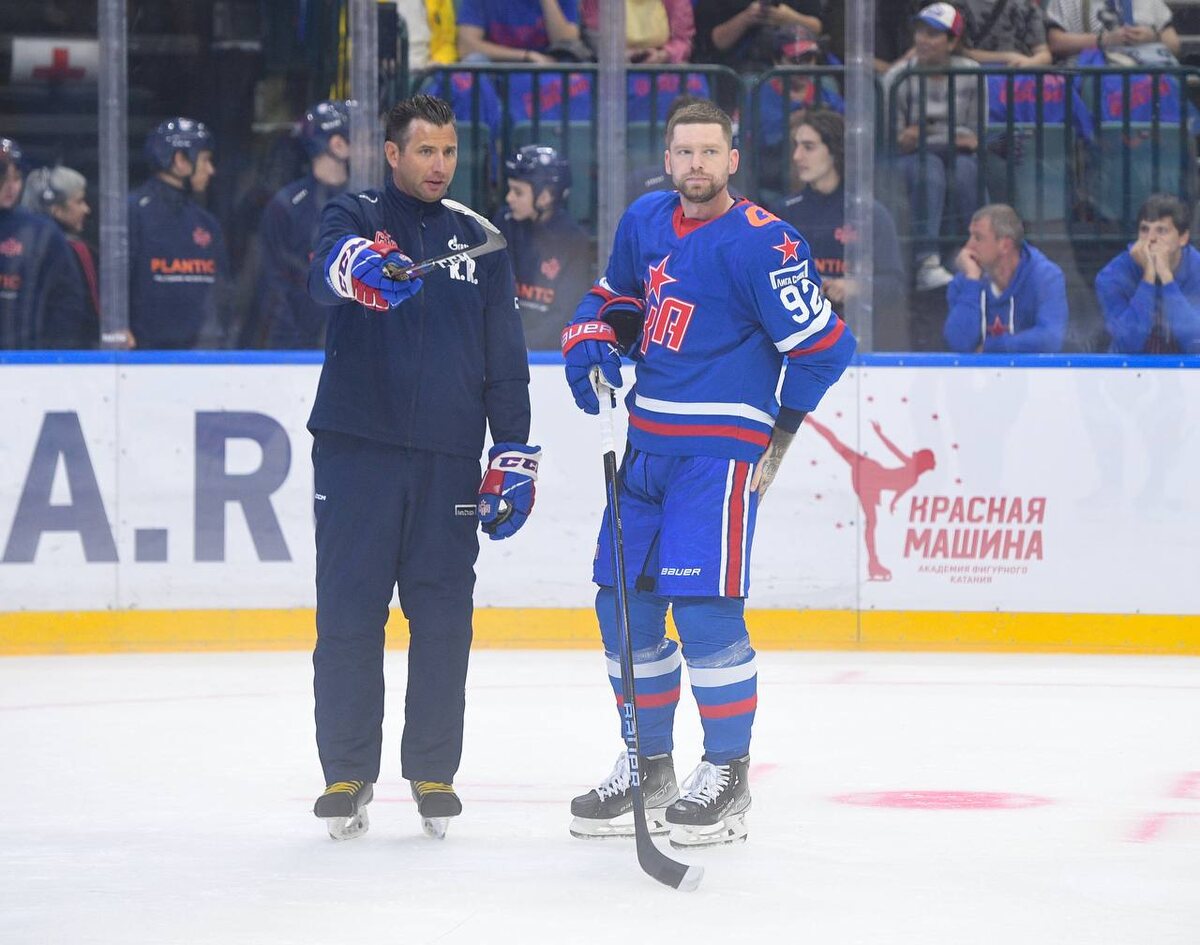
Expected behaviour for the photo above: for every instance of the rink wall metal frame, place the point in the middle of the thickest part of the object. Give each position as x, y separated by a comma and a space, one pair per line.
162, 501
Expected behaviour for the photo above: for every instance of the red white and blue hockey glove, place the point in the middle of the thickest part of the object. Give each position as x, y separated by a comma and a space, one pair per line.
586, 345
354, 270
507, 492
627, 316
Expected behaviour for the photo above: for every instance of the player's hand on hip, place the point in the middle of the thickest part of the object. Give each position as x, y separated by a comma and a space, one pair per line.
586, 345
507, 492
354, 270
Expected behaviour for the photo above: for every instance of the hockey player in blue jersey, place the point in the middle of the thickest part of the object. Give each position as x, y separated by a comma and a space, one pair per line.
712, 297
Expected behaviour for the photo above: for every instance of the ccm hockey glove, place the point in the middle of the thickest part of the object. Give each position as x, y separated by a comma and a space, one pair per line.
507, 491
354, 270
584, 346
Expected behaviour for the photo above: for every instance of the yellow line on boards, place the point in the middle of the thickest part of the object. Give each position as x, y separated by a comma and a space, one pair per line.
137, 631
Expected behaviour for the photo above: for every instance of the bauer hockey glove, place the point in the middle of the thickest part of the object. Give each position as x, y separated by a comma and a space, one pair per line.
584, 346
507, 491
354, 270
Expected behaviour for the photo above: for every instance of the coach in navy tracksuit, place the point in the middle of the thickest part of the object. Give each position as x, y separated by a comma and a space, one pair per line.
413, 371
42, 304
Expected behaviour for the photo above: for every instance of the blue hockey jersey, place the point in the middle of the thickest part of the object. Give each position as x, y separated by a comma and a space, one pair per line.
730, 302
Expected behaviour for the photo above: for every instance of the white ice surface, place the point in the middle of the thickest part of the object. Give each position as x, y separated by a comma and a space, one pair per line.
166, 799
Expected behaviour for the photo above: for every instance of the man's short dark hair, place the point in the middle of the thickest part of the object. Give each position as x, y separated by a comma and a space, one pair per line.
1160, 206
425, 107
703, 112
830, 128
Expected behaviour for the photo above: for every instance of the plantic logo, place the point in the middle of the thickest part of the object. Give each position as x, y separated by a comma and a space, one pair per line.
12, 247
201, 237
950, 535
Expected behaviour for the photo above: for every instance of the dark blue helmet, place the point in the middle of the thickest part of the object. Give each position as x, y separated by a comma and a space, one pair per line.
177, 134
542, 167
10, 153
321, 123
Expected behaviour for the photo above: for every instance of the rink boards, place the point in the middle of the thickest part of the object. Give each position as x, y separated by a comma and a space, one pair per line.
150, 502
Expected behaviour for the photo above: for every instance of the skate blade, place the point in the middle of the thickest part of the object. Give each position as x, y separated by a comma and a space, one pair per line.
435, 827
730, 830
347, 828
588, 829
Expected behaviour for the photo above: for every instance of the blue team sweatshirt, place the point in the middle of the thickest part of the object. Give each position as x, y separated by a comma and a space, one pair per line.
1130, 303
1029, 316
431, 372
42, 298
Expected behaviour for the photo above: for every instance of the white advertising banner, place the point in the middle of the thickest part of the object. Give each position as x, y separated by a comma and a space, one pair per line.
189, 486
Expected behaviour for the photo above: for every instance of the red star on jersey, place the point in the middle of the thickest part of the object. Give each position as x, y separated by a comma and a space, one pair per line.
658, 279
788, 247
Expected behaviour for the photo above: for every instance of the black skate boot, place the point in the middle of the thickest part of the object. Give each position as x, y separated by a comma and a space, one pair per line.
607, 810
436, 803
712, 807
343, 807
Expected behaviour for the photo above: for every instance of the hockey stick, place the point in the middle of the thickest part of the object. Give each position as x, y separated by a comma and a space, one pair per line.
652, 860
494, 241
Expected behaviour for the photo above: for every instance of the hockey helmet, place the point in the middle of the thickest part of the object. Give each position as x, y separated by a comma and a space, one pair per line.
177, 134
542, 167
10, 153
321, 122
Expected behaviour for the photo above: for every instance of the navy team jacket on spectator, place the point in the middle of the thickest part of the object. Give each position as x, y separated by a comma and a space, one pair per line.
1151, 319
552, 265
289, 231
178, 269
429, 373
42, 303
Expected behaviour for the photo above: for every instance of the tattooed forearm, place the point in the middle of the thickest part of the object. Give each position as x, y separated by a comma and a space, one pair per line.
768, 466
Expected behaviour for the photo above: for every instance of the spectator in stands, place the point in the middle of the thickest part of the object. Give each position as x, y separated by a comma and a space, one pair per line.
1008, 33
741, 33
431, 31
550, 252
1150, 293
818, 212
937, 158
516, 30
1007, 296
662, 30
61, 194
178, 266
289, 229
42, 303
1138, 32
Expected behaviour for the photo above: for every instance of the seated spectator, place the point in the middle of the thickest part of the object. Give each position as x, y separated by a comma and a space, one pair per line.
516, 30
289, 230
550, 252
1150, 294
1140, 32
42, 302
1007, 296
61, 193
783, 96
1008, 33
178, 267
431, 31
740, 33
663, 32
818, 211
936, 157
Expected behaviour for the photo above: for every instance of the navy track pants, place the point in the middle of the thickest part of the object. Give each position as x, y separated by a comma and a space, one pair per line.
391, 517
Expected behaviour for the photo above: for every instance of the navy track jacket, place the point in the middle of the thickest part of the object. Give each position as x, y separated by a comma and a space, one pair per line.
42, 302
429, 373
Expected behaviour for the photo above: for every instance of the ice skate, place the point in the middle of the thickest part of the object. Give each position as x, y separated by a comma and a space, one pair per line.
711, 810
436, 803
607, 810
343, 807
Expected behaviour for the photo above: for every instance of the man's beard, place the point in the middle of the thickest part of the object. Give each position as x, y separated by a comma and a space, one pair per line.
709, 190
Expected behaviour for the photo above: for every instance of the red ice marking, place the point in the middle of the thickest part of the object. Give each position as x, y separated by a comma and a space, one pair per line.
1153, 824
1187, 787
944, 800
849, 675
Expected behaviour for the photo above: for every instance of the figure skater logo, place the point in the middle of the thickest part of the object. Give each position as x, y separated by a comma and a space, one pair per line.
871, 479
